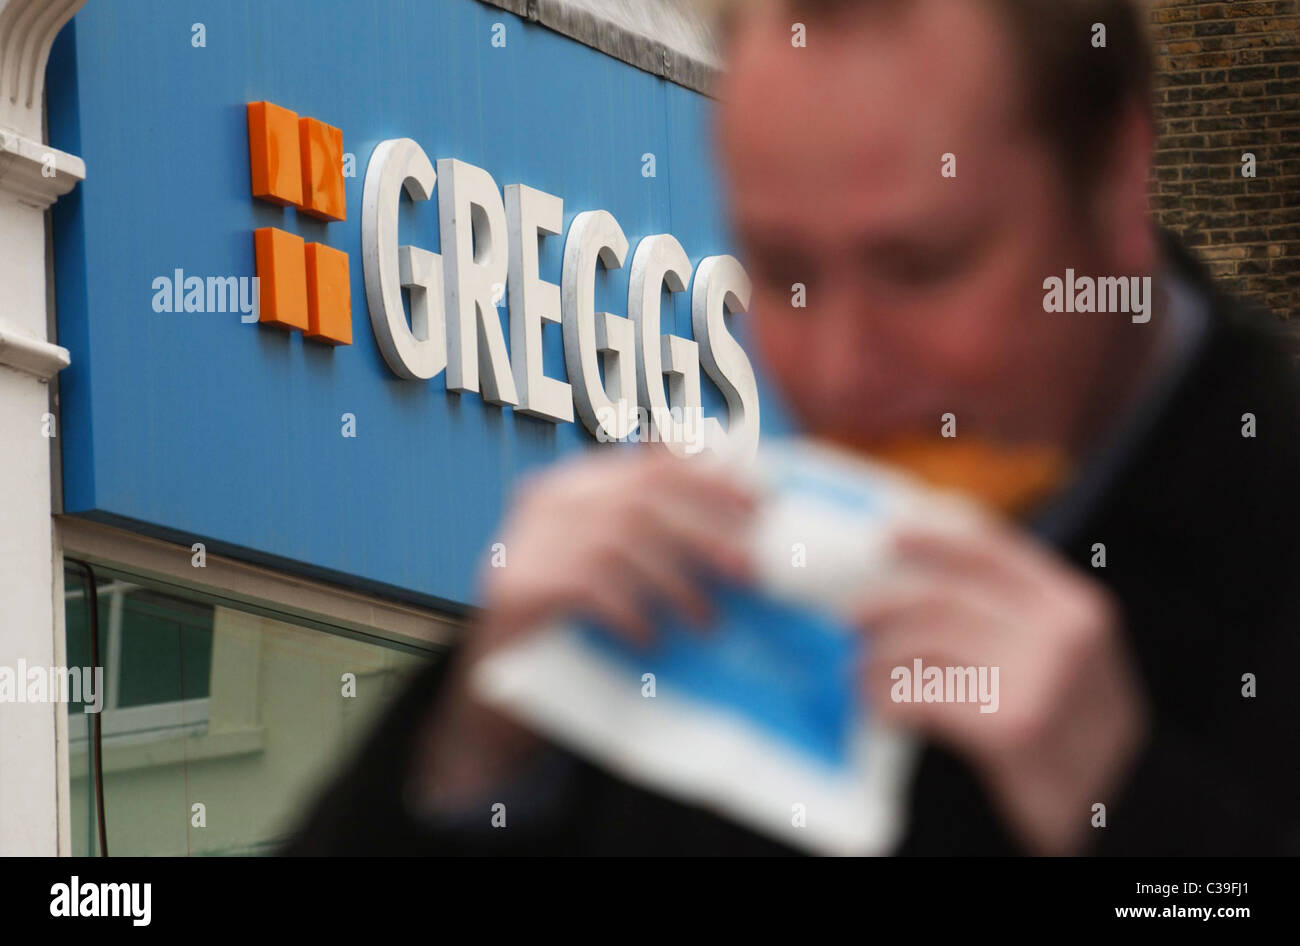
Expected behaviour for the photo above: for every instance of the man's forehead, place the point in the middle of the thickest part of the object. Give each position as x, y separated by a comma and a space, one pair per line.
873, 78
866, 111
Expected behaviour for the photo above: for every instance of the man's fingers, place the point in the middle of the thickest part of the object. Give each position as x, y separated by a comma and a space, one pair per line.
711, 536
622, 614
991, 553
664, 580
929, 644
893, 696
707, 488
965, 606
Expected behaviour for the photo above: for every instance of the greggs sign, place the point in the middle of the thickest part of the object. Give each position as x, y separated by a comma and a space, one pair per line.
328, 440
490, 248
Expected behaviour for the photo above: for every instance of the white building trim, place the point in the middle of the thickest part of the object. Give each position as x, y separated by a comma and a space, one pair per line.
32, 177
290, 597
668, 38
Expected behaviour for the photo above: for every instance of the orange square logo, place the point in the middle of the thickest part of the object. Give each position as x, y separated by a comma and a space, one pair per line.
322, 169
282, 275
329, 297
274, 153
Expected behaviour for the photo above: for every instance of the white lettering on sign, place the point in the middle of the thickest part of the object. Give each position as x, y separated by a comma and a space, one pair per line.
617, 365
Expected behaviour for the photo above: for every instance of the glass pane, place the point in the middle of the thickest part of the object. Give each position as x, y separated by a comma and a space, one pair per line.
166, 648
220, 724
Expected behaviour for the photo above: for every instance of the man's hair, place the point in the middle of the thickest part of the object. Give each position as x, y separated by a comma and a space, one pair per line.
1076, 92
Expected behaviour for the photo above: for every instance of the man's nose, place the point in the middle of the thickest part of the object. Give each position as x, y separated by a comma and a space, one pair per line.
843, 352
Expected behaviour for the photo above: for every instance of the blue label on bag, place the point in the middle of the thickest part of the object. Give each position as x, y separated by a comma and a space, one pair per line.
787, 671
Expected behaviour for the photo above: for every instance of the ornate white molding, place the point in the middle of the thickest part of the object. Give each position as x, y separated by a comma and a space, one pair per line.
36, 174
27, 31
30, 171
33, 356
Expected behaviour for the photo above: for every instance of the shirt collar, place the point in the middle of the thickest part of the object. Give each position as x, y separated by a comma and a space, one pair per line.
1183, 330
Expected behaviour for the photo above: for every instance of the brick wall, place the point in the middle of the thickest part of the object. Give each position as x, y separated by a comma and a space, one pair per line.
1228, 83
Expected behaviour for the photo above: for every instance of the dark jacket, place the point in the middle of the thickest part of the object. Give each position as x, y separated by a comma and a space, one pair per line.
1200, 528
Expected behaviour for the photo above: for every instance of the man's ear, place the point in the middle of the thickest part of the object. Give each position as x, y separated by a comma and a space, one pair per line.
1121, 206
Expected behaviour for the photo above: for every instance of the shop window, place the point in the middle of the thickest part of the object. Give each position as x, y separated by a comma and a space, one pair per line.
220, 721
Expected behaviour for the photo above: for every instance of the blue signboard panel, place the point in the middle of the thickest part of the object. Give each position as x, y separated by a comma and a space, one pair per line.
200, 427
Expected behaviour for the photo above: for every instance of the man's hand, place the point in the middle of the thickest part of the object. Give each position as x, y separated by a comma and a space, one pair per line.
607, 537
1071, 717
604, 537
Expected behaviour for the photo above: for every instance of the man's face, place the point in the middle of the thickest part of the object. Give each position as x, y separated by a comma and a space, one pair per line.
924, 293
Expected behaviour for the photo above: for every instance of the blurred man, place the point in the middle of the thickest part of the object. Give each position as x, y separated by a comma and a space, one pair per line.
925, 169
